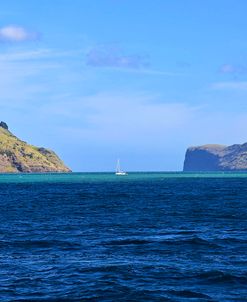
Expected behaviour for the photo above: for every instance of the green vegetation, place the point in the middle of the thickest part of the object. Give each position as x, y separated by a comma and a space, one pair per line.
18, 156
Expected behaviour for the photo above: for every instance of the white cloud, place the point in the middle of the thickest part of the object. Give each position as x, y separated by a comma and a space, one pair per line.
126, 118
231, 85
36, 54
139, 122
27, 74
17, 34
115, 58
235, 69
146, 71
108, 56
25, 55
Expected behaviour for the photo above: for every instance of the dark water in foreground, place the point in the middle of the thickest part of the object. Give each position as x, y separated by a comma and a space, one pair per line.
143, 237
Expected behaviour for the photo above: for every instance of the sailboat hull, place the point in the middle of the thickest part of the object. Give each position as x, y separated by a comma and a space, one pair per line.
121, 173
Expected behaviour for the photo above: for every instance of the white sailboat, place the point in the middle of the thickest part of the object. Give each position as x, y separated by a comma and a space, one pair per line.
118, 169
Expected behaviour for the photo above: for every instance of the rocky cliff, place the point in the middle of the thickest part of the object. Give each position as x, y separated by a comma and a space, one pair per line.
216, 158
18, 156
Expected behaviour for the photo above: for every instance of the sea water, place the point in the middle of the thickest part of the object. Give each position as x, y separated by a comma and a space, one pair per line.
141, 237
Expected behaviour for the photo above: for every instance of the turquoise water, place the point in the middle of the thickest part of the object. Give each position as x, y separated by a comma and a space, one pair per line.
133, 176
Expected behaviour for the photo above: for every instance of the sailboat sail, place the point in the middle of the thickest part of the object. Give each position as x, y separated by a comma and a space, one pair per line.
118, 169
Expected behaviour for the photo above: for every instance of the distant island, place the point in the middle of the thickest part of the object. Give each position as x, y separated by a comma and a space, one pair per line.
18, 156
216, 158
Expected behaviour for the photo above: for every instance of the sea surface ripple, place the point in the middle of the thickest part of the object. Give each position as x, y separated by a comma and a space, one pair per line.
141, 237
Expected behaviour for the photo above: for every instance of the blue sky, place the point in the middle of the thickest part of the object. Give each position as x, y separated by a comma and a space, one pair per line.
135, 80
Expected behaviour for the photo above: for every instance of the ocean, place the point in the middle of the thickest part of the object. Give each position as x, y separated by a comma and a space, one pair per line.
141, 237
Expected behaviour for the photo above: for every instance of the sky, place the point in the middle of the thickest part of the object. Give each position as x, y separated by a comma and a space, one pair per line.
98, 80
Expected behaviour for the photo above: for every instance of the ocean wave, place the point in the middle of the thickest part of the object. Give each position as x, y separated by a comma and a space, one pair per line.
39, 244
51, 300
189, 294
222, 277
128, 241
232, 240
176, 240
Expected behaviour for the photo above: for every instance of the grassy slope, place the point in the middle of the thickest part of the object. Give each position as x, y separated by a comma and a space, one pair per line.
16, 155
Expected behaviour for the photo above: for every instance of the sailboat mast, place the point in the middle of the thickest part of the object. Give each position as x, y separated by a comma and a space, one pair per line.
118, 166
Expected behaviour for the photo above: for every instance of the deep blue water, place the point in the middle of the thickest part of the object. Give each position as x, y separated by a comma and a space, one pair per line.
143, 237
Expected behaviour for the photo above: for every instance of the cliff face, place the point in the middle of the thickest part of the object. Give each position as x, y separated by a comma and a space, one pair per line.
18, 156
216, 158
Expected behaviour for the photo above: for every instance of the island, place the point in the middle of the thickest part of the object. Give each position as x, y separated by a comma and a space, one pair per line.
216, 158
18, 156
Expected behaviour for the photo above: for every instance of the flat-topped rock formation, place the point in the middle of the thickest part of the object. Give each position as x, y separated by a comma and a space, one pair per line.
18, 156
216, 158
